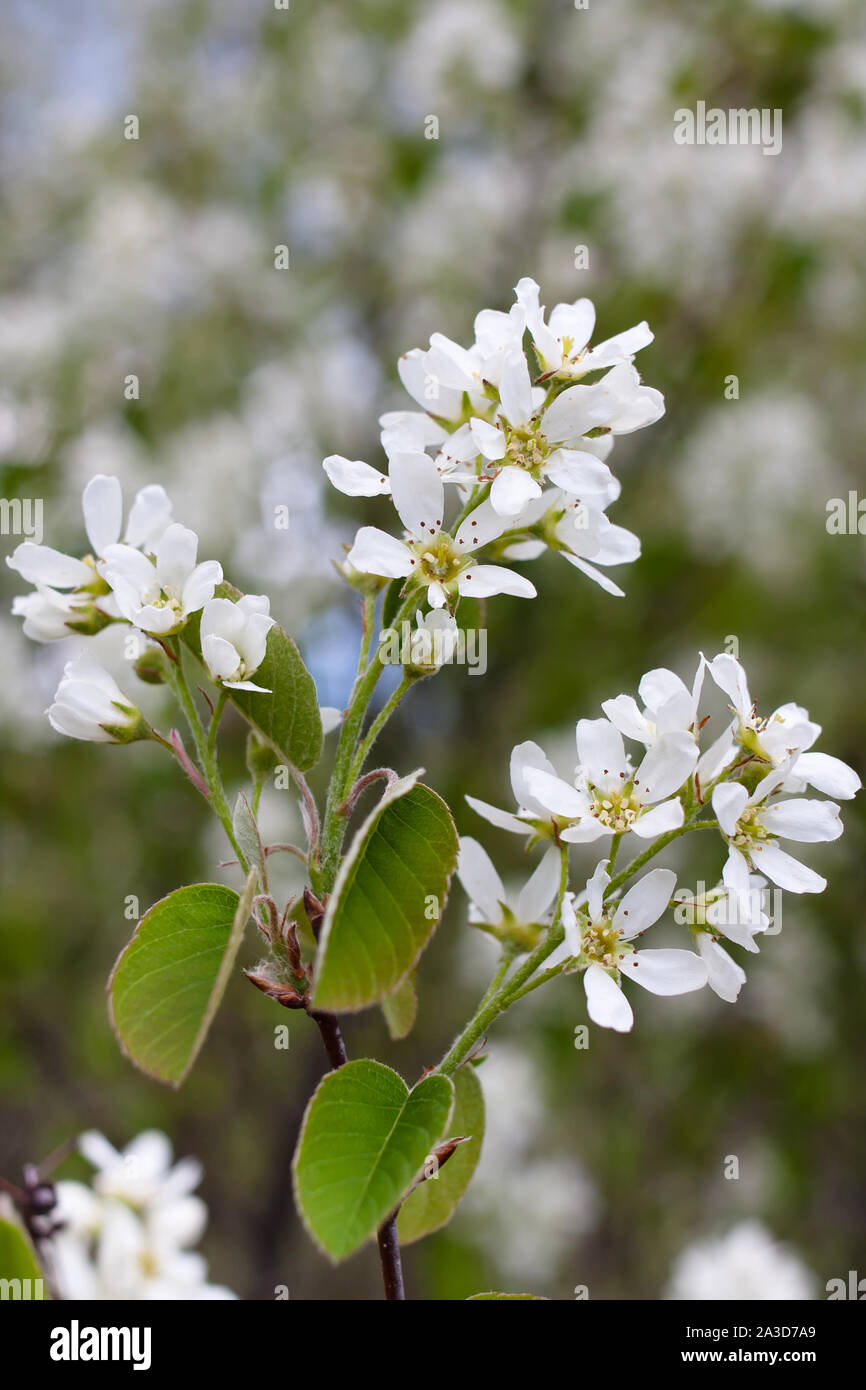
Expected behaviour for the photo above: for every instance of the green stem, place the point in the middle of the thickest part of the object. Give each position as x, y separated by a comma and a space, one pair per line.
495, 1003
366, 680
205, 745
655, 848
222, 700
378, 724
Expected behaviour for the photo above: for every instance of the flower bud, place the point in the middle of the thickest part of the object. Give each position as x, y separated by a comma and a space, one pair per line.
151, 666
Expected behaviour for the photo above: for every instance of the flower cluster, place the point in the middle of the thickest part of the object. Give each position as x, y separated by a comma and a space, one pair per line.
525, 451
151, 580
129, 1235
750, 779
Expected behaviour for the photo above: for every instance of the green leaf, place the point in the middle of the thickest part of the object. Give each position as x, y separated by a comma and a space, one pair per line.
507, 1297
387, 900
168, 983
364, 1139
434, 1201
288, 717
18, 1259
401, 1008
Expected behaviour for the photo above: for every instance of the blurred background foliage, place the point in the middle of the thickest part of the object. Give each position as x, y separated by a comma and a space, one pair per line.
306, 127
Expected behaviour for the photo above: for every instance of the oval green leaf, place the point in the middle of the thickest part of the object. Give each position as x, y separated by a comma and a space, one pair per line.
287, 717
365, 1137
387, 900
434, 1201
169, 981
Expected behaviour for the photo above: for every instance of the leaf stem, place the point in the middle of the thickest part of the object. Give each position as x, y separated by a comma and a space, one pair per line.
389, 1254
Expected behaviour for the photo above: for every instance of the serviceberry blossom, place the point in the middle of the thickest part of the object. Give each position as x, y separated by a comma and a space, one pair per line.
576, 529
90, 705
490, 907
142, 1172
234, 637
521, 455
609, 797
773, 738
49, 615
753, 829
158, 596
662, 797
532, 455
600, 938
562, 343
669, 706
128, 1237
431, 558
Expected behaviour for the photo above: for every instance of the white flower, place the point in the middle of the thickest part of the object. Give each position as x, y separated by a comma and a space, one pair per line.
434, 559
234, 637
90, 705
159, 597
442, 376
47, 613
561, 344
135, 1256
753, 830
129, 1237
669, 706
746, 1264
610, 798
773, 738
738, 916
578, 530
605, 942
618, 403
527, 451
143, 1172
102, 502
489, 903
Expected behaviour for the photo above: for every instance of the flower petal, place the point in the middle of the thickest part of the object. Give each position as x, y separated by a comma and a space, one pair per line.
512, 489
786, 871
729, 802
605, 1002
419, 494
480, 581
375, 552
39, 564
644, 903
503, 820
102, 502
481, 882
354, 477
666, 971
540, 889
